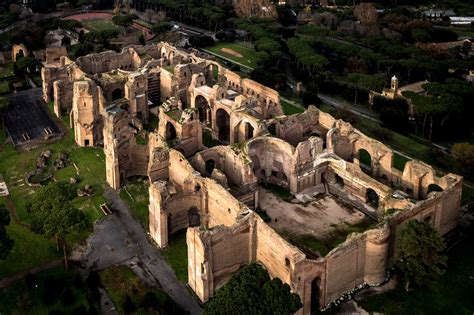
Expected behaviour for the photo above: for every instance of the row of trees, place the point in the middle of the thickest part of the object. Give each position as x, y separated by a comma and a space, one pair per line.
6, 242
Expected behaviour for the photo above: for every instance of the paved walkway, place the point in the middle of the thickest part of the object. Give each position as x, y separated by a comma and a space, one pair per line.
119, 239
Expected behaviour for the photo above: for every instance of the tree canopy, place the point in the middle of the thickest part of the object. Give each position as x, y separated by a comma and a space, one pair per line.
421, 253
250, 291
53, 214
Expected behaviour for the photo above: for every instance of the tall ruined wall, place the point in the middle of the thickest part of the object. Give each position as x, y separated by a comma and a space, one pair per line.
106, 61
86, 118
63, 95
299, 127
136, 91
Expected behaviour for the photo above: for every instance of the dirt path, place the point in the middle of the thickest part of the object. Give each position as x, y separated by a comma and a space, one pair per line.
13, 214
5, 282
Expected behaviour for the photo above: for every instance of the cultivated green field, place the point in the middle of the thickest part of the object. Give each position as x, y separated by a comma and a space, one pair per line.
247, 55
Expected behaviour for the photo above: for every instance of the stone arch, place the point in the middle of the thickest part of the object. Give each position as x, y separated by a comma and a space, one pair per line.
194, 219
210, 165
272, 129
223, 125
315, 293
170, 131
244, 130
117, 94
372, 198
434, 187
339, 180
365, 159
204, 108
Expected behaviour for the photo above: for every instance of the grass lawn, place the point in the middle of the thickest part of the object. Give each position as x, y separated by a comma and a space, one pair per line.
4, 88
100, 25
135, 194
176, 254
122, 284
247, 55
30, 249
48, 291
290, 109
451, 294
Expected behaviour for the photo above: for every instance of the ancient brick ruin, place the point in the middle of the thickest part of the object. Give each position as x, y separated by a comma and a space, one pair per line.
331, 169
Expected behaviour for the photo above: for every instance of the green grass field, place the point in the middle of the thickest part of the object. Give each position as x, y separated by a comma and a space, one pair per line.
4, 88
176, 254
99, 25
290, 109
247, 55
30, 249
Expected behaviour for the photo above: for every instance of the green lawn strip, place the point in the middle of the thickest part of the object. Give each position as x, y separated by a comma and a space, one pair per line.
53, 290
451, 294
176, 254
170, 68
135, 194
120, 282
290, 109
248, 59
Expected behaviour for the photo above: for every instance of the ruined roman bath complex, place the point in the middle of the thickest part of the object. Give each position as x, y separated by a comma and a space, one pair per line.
347, 194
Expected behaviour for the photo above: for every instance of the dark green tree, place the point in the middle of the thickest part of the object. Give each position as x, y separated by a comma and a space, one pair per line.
6, 243
250, 291
54, 216
162, 27
421, 253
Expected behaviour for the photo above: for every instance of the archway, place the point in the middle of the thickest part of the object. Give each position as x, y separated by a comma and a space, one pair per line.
315, 284
249, 130
170, 131
365, 159
372, 198
117, 94
223, 125
210, 164
272, 129
193, 217
20, 54
434, 187
339, 181
203, 108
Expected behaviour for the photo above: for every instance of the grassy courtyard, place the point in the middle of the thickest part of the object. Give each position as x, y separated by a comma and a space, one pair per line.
237, 52
176, 254
135, 194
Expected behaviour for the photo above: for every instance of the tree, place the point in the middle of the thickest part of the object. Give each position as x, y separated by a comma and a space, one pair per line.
161, 27
421, 257
6, 243
124, 20
464, 154
54, 216
366, 13
250, 291
366, 83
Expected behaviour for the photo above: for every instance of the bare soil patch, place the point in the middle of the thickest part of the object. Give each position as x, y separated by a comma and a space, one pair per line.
232, 52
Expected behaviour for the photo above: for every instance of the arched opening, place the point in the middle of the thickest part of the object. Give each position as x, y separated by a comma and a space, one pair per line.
170, 132
339, 181
248, 131
203, 108
315, 284
193, 217
223, 125
434, 187
210, 164
272, 129
20, 54
117, 94
365, 159
372, 198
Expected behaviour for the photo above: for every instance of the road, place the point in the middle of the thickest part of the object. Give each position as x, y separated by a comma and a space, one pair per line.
119, 239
